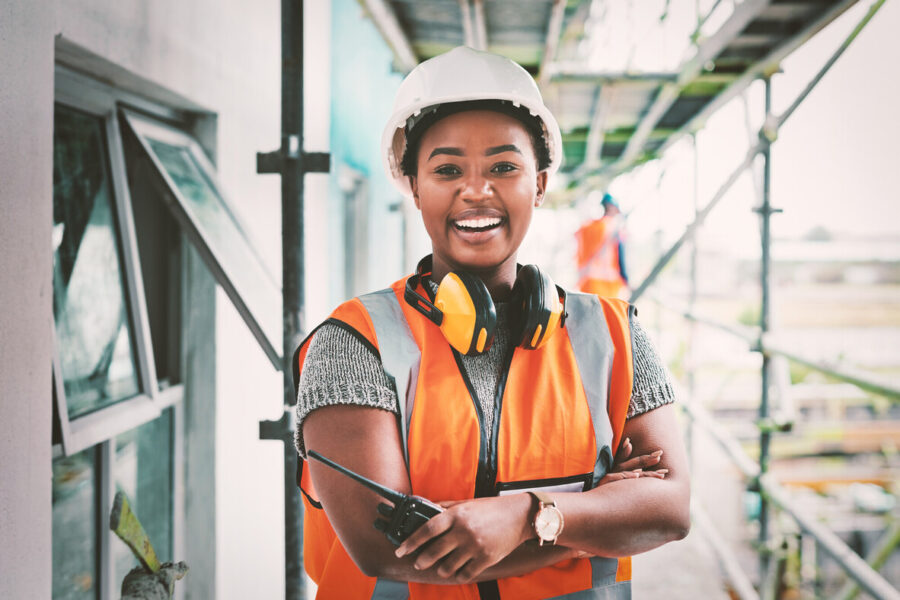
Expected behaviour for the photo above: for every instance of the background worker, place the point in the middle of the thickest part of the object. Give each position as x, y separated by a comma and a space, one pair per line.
514, 432
601, 253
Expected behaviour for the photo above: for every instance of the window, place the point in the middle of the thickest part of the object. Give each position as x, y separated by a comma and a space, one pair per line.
75, 526
115, 418
131, 189
96, 353
200, 207
143, 469
355, 189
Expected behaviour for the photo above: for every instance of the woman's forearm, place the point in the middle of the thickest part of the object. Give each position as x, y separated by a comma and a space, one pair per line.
628, 517
634, 515
625, 517
618, 519
527, 558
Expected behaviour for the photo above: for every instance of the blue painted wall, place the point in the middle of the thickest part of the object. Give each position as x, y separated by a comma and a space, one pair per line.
363, 86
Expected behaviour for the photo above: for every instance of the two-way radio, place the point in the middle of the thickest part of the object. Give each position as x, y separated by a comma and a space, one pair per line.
408, 513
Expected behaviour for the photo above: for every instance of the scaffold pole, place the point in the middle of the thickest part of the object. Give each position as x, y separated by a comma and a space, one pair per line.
765, 211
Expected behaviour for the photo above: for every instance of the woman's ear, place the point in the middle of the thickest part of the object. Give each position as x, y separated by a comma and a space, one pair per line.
541, 188
414, 186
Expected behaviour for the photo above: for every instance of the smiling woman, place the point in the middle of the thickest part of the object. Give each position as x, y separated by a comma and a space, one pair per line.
477, 185
538, 419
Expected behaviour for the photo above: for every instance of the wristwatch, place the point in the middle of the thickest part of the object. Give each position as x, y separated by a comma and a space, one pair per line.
548, 522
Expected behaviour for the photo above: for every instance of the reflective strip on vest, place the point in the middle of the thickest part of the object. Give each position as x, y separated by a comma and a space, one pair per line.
603, 571
400, 355
589, 334
616, 591
388, 589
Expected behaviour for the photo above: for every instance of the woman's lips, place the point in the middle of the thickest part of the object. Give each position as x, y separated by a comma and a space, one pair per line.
481, 223
476, 230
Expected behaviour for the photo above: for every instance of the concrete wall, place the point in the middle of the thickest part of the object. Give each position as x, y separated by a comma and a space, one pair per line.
219, 55
26, 163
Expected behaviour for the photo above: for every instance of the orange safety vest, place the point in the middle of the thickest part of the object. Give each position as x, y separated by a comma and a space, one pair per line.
559, 415
598, 257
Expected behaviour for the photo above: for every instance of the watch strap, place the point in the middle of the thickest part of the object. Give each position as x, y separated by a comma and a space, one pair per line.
543, 497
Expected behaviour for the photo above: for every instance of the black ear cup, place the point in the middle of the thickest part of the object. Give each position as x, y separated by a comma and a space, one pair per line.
536, 311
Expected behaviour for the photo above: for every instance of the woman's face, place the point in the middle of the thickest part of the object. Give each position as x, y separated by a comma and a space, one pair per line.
477, 186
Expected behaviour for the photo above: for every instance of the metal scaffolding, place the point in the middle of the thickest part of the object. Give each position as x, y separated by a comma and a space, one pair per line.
292, 162
772, 494
669, 107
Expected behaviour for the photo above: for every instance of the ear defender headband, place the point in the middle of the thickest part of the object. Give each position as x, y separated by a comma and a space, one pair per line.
465, 313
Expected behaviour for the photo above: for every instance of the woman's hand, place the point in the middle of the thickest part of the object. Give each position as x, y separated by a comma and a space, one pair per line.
633, 468
470, 536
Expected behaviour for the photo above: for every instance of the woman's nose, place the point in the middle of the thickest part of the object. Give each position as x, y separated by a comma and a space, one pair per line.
476, 187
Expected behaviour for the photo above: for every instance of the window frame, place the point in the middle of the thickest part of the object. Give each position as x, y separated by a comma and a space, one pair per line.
90, 97
141, 126
354, 186
101, 427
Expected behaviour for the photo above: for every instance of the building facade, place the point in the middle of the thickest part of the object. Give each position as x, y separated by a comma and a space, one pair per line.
140, 276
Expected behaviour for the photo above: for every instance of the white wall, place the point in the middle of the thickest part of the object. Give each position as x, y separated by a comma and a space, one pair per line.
249, 491
223, 56
26, 163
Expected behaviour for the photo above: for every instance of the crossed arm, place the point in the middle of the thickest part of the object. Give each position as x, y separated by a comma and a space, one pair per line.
489, 538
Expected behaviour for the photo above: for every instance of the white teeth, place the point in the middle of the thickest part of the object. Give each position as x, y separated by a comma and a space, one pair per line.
478, 223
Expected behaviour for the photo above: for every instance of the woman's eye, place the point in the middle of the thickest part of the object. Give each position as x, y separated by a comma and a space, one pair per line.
503, 168
447, 170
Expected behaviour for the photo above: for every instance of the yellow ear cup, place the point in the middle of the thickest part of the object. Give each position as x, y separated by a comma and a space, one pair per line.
536, 337
456, 304
482, 340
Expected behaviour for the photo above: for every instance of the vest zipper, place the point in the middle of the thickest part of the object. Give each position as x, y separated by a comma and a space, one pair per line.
495, 434
482, 473
486, 474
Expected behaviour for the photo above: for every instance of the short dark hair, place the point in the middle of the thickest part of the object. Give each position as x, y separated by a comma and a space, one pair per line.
533, 125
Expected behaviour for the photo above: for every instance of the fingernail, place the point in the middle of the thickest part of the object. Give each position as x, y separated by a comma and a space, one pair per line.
399, 553
636, 470
627, 441
663, 471
657, 453
417, 567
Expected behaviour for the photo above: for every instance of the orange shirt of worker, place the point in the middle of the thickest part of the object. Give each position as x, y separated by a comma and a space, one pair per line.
601, 268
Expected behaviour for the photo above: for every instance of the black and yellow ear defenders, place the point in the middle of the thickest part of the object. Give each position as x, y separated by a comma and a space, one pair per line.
465, 313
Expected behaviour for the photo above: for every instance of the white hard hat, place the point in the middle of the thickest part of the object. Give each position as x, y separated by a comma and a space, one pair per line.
461, 75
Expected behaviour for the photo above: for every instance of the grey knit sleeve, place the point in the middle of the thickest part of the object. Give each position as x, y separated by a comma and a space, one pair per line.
340, 369
652, 386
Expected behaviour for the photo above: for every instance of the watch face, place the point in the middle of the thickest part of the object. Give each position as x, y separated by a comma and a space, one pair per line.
548, 523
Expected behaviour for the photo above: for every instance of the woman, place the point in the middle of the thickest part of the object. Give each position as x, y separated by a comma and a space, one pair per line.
512, 431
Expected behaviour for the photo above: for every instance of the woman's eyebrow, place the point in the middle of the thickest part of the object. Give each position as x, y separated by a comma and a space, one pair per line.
500, 149
445, 150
